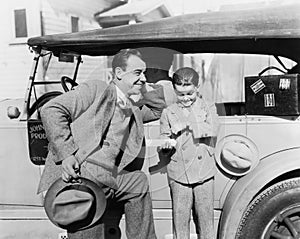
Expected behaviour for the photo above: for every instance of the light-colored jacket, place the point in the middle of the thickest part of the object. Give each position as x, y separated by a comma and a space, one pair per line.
193, 159
75, 123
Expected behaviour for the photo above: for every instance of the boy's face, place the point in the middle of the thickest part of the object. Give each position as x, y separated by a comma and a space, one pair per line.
186, 94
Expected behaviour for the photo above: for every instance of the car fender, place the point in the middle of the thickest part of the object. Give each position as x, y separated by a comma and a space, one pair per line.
245, 189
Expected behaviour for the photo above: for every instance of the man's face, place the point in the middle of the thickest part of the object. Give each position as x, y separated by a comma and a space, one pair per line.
186, 94
132, 79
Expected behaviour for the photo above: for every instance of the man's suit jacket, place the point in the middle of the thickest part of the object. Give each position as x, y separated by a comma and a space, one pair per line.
193, 158
75, 123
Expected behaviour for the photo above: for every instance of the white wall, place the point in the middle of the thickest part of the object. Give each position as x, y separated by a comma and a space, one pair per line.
15, 57
57, 19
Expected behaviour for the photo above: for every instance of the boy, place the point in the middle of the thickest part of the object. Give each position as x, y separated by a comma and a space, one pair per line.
193, 123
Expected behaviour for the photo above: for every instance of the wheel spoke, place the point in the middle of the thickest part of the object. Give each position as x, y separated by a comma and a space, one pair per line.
290, 225
280, 236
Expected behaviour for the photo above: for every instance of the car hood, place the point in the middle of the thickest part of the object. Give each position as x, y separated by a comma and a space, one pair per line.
273, 31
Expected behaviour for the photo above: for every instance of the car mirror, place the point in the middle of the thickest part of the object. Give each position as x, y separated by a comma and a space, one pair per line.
13, 112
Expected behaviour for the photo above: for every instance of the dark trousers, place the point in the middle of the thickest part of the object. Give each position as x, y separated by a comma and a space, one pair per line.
132, 196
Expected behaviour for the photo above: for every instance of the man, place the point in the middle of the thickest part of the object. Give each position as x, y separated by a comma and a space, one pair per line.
97, 130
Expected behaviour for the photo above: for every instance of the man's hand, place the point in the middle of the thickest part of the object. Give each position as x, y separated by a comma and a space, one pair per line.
168, 143
70, 169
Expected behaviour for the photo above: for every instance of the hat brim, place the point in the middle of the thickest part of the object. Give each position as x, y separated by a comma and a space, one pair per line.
228, 168
59, 185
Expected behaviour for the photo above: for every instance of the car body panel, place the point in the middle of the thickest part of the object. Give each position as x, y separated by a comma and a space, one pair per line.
244, 190
19, 177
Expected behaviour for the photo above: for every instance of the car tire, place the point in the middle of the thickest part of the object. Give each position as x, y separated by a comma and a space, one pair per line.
274, 213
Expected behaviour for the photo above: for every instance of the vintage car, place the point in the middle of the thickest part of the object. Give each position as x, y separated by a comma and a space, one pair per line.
249, 66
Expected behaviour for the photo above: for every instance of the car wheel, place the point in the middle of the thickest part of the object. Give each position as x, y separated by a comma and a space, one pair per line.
274, 213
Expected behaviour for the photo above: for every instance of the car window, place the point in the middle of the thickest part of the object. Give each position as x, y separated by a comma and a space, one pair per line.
91, 68
222, 75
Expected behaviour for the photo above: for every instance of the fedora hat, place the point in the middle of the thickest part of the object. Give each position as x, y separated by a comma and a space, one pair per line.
236, 154
74, 206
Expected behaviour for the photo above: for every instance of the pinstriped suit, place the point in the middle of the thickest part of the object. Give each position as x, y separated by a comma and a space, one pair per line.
77, 123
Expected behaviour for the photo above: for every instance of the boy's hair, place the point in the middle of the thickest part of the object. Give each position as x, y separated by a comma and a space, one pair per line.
120, 59
185, 76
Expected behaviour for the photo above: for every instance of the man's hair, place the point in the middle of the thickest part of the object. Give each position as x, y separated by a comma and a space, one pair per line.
185, 76
120, 59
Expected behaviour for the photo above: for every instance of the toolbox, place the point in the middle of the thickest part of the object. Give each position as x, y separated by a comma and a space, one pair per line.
272, 95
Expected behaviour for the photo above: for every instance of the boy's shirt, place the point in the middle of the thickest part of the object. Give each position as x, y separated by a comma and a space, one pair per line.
193, 159
202, 119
